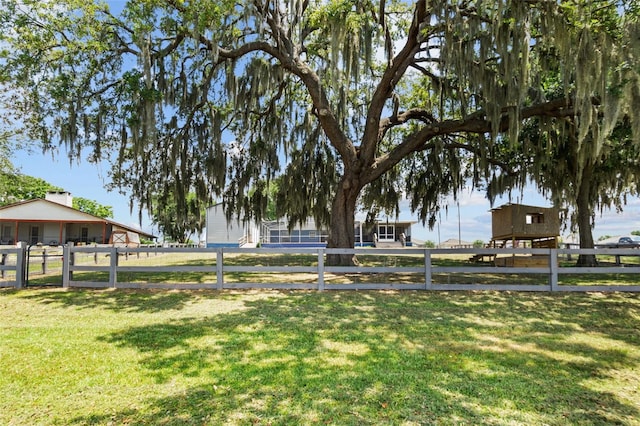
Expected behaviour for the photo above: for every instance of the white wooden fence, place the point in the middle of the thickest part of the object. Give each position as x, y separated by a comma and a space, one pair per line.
13, 267
423, 277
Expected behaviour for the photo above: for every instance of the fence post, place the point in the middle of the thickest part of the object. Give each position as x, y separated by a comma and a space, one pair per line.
113, 267
321, 269
44, 260
219, 270
66, 262
21, 266
553, 269
428, 284
3, 261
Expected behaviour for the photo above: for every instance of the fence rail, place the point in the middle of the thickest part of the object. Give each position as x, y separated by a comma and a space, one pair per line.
422, 271
393, 269
13, 263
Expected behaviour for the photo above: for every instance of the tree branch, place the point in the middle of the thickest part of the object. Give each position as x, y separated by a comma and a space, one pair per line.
392, 75
474, 123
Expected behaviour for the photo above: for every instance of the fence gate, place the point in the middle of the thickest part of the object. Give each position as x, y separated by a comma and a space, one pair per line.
43, 266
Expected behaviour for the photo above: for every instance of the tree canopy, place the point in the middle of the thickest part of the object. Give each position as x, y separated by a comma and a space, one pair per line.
92, 207
344, 99
179, 227
15, 187
581, 184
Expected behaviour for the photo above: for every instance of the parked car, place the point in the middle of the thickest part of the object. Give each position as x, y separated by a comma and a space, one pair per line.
633, 239
625, 241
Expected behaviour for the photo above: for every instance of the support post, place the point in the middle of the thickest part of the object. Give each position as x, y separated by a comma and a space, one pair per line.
219, 269
428, 284
21, 260
66, 262
3, 261
553, 269
113, 267
320, 269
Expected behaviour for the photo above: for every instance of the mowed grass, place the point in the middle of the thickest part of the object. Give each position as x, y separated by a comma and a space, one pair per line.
104, 357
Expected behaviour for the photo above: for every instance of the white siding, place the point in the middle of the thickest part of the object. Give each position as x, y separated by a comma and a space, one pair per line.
221, 232
51, 233
40, 210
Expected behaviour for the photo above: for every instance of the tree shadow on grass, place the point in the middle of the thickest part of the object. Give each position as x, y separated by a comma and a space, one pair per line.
149, 301
375, 357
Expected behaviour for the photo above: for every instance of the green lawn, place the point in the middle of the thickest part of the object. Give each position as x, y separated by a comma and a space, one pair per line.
109, 357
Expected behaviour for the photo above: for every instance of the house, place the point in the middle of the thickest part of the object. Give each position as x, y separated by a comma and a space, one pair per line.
52, 221
275, 233
223, 233
379, 234
384, 233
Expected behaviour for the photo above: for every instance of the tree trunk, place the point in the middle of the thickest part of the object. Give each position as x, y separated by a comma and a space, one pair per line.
584, 213
343, 210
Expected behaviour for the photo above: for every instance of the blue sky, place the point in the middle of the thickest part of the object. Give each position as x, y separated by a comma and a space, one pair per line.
88, 181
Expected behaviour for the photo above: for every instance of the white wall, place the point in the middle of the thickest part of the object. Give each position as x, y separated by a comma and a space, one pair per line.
223, 233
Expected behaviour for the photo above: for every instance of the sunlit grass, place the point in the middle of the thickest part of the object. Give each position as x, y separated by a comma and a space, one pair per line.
182, 357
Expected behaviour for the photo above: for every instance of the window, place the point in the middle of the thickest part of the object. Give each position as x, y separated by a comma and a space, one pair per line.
34, 235
386, 232
5, 237
532, 218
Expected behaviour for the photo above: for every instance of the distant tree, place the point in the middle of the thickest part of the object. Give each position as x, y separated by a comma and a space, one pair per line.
429, 244
92, 207
15, 187
583, 170
635, 232
478, 244
179, 227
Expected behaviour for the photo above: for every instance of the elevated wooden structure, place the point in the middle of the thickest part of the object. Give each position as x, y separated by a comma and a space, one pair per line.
520, 225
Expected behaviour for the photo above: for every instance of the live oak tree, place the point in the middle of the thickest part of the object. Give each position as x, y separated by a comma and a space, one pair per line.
581, 173
588, 183
341, 98
580, 184
5, 158
6, 147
